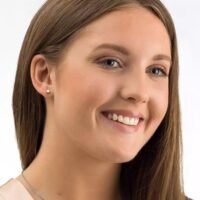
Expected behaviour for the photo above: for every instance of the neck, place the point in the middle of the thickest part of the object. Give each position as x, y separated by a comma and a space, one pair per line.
62, 172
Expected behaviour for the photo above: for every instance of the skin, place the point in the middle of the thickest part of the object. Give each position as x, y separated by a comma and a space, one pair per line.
81, 154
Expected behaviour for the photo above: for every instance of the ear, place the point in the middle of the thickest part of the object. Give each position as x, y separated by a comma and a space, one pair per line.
42, 75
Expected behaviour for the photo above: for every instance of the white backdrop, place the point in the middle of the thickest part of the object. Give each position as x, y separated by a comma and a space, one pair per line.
14, 20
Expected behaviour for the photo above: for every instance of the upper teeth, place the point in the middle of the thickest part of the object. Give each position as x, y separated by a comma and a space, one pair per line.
123, 119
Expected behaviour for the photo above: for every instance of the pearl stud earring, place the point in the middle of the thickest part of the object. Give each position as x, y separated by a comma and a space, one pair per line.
48, 91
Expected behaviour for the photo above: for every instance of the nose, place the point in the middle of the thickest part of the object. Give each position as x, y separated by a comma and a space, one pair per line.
135, 88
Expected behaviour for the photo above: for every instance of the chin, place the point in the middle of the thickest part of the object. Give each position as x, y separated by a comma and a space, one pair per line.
123, 158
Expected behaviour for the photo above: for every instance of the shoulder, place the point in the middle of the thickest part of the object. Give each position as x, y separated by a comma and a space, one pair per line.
13, 189
5, 189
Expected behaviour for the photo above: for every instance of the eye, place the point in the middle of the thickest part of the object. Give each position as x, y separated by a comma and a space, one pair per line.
110, 63
157, 71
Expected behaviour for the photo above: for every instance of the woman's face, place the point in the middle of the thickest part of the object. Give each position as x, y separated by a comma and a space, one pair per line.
118, 65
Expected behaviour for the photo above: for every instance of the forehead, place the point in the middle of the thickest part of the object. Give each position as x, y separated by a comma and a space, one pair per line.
134, 27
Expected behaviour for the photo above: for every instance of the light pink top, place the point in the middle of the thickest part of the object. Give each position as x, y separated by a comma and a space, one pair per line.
14, 190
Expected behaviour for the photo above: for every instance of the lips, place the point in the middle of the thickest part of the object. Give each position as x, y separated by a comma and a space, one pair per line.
125, 113
120, 127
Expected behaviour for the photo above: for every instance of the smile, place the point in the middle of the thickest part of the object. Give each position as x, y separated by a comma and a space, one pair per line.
123, 123
123, 119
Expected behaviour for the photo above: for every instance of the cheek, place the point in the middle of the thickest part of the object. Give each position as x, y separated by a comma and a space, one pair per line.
162, 101
157, 108
157, 105
159, 98
82, 92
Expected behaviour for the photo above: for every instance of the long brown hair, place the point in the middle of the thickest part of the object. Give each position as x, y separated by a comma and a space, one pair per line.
156, 172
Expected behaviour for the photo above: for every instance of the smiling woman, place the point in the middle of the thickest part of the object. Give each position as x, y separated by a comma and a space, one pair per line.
96, 103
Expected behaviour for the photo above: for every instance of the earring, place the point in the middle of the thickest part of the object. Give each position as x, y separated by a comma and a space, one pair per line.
48, 91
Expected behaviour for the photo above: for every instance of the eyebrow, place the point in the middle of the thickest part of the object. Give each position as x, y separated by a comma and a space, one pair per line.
162, 57
115, 47
124, 51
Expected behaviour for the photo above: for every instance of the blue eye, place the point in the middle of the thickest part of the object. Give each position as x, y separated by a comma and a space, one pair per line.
157, 71
110, 63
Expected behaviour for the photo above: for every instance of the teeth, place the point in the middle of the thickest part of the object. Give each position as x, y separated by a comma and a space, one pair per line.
124, 120
120, 118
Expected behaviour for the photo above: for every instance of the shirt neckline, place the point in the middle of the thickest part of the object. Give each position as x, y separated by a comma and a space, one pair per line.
22, 188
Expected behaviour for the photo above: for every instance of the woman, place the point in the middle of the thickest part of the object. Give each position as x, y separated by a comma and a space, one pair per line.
96, 103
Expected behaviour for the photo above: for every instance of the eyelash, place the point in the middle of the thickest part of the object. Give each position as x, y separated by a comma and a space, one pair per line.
105, 64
